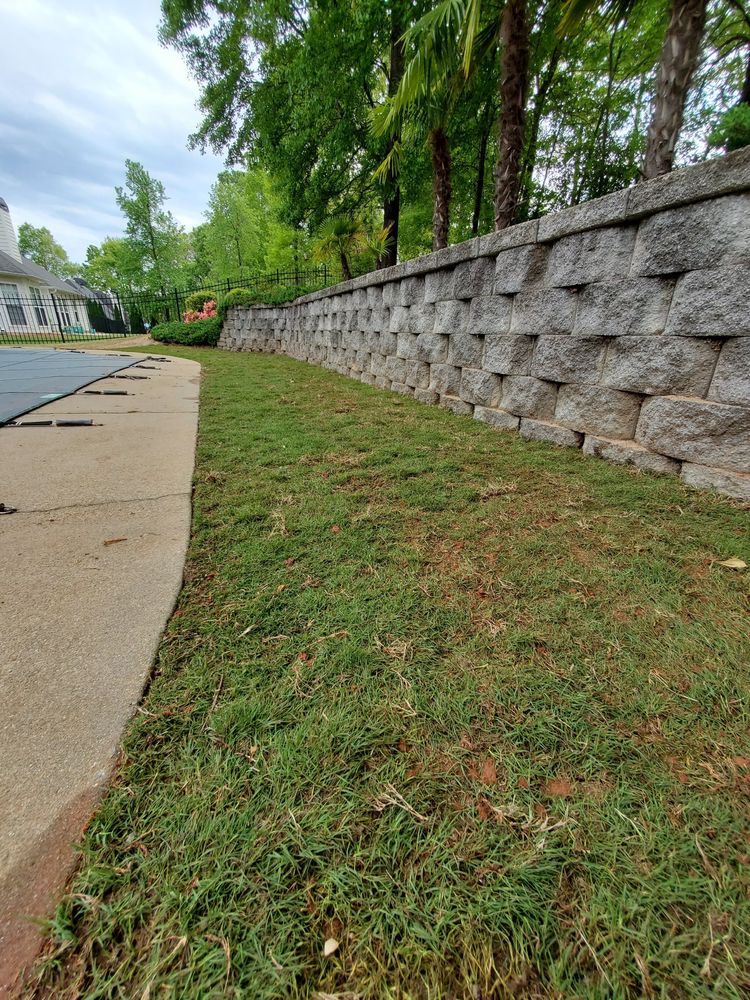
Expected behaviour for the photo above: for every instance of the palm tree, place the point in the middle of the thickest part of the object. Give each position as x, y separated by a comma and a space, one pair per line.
428, 90
339, 239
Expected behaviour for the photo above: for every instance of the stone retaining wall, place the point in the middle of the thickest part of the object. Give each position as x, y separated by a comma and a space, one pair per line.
621, 325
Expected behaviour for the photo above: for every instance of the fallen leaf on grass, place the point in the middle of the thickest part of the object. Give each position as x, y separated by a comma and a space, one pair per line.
335, 529
330, 946
522, 782
489, 772
733, 563
558, 786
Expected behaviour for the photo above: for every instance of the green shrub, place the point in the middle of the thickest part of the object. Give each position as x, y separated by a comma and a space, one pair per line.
196, 300
201, 332
276, 295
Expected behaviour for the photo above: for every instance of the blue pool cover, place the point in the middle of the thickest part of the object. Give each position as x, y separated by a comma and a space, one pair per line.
31, 377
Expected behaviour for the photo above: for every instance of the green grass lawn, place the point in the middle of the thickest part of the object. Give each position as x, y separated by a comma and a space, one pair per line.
475, 708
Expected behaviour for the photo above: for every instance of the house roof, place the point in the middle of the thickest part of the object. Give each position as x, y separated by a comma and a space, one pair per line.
27, 268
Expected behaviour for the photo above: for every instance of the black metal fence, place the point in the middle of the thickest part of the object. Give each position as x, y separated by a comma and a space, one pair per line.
171, 304
49, 316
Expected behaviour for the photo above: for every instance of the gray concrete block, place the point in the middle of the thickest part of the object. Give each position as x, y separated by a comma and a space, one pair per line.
426, 396
395, 369
422, 318
455, 405
630, 453
516, 269
439, 285
506, 354
703, 477
499, 419
514, 236
388, 342
432, 347
544, 311
714, 302
694, 236
490, 314
465, 350
474, 277
445, 379
406, 347
480, 387
544, 430
629, 307
696, 430
605, 211
529, 397
451, 316
731, 381
411, 291
382, 382
399, 319
715, 177
417, 374
594, 255
402, 388
660, 365
569, 359
599, 411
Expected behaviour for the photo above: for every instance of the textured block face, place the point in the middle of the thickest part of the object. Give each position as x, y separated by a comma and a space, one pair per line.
417, 374
411, 291
422, 318
426, 396
395, 369
406, 346
445, 379
635, 307
630, 453
516, 269
656, 365
480, 387
569, 359
699, 431
604, 412
432, 347
596, 255
455, 405
474, 277
544, 311
451, 316
714, 302
464, 350
499, 419
529, 397
734, 484
439, 285
543, 430
490, 314
694, 236
399, 319
508, 355
731, 381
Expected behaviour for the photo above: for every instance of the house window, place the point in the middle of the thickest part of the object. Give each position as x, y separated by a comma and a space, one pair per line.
39, 309
10, 299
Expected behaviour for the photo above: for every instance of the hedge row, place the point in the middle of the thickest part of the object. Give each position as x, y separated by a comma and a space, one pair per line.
201, 332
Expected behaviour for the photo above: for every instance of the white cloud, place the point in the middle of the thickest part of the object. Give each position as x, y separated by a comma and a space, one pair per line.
82, 88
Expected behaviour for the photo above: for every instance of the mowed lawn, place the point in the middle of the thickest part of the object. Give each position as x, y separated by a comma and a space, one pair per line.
471, 709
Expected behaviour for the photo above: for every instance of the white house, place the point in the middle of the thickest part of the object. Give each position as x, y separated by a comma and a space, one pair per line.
31, 299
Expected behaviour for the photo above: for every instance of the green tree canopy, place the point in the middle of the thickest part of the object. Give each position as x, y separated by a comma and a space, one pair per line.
40, 245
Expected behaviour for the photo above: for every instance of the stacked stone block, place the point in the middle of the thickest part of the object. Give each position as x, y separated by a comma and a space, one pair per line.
621, 326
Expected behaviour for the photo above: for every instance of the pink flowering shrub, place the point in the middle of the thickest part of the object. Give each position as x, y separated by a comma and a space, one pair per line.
207, 312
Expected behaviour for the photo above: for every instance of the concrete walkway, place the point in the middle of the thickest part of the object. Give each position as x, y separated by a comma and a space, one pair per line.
91, 566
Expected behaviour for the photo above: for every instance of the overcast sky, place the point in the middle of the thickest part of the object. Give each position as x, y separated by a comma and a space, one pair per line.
83, 86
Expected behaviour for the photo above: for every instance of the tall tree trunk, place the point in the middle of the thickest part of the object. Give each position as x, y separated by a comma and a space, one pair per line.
441, 187
479, 188
745, 95
392, 200
346, 271
514, 71
529, 160
679, 58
